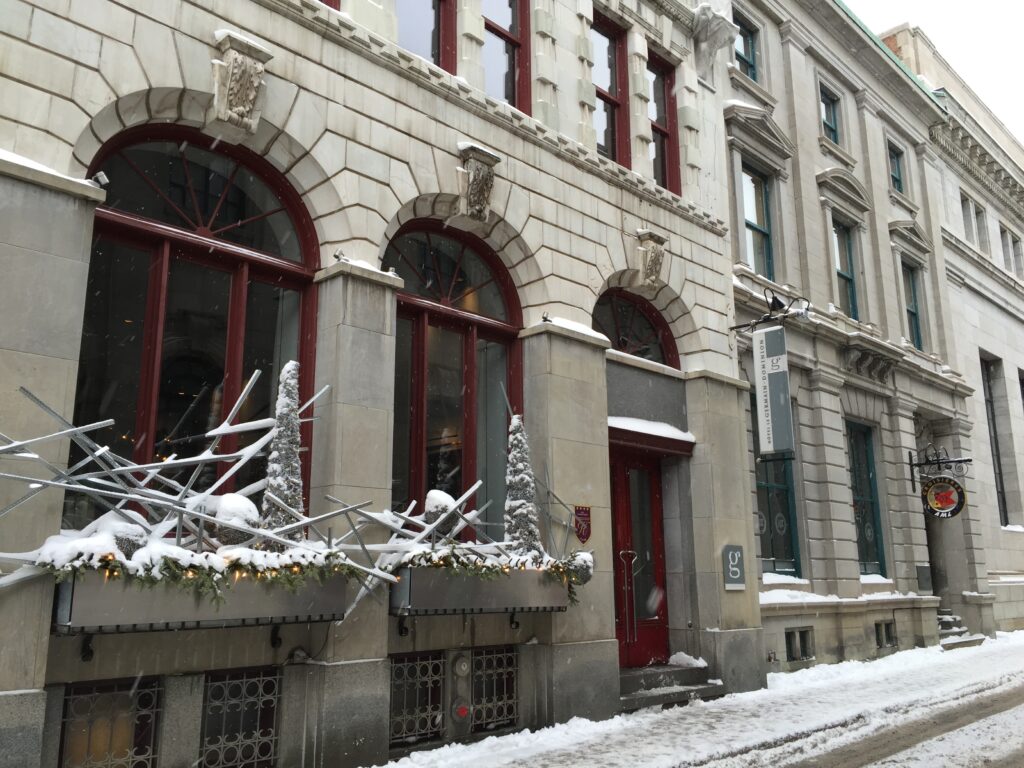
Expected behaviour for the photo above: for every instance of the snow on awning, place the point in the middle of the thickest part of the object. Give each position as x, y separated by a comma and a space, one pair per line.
654, 436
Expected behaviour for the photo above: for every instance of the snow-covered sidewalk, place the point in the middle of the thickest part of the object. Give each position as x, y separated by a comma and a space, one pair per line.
798, 716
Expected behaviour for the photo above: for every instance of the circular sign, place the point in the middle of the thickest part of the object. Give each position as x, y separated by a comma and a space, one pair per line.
943, 497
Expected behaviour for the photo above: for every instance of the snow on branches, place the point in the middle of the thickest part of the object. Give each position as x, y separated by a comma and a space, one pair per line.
521, 526
284, 469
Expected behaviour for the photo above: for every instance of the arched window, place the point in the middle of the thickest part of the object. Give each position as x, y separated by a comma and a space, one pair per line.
201, 272
457, 366
635, 327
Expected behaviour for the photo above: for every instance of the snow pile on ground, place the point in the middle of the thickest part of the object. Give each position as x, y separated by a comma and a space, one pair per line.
800, 715
681, 659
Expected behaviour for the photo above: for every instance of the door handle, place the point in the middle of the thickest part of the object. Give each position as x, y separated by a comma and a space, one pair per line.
628, 558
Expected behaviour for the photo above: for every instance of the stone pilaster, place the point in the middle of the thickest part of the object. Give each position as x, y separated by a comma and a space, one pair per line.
181, 720
906, 518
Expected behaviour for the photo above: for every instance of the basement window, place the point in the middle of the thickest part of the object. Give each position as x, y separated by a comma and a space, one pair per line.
799, 644
885, 634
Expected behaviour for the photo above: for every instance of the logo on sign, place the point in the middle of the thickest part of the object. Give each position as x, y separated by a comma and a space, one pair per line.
581, 522
943, 497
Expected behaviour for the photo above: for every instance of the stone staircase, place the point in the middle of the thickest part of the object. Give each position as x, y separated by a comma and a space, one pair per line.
665, 686
952, 634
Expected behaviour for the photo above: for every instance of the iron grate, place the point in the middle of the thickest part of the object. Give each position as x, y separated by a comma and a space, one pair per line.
495, 690
240, 719
417, 698
108, 725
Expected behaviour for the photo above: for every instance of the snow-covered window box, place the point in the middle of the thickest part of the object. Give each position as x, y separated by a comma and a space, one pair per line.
430, 590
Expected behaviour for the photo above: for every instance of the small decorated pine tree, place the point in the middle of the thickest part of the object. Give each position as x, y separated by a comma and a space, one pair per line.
284, 469
520, 492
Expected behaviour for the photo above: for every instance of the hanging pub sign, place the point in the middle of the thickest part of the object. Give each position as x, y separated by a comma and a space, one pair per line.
943, 496
771, 387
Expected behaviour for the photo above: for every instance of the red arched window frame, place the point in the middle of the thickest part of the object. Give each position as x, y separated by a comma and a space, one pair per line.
201, 246
645, 312
423, 312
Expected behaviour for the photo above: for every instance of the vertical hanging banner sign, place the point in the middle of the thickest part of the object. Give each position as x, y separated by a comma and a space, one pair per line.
771, 385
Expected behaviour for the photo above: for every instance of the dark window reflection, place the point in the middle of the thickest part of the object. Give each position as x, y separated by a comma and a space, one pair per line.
419, 25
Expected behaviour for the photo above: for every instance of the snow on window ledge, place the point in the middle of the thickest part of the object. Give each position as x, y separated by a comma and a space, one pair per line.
645, 427
874, 578
769, 577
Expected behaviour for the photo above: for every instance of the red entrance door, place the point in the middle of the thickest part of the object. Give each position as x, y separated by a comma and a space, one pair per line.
641, 615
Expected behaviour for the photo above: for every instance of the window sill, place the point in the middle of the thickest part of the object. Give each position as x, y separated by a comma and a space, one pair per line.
899, 198
830, 148
751, 88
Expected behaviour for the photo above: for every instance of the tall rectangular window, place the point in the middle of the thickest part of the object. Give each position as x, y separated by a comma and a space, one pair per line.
427, 28
611, 82
846, 269
829, 115
746, 47
967, 212
981, 228
757, 215
896, 180
506, 54
1011, 250
910, 300
776, 513
864, 487
661, 111
990, 372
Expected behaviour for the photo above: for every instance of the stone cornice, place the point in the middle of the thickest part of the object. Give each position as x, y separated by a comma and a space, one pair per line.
990, 270
342, 30
958, 144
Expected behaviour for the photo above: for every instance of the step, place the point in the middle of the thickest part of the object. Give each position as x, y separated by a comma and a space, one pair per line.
659, 676
967, 641
953, 632
673, 695
950, 620
944, 611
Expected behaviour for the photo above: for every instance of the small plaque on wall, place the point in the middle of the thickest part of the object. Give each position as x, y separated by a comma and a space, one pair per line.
734, 571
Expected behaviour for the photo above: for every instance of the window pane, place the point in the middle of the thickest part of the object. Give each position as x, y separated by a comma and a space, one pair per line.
110, 360
657, 110
491, 432
499, 68
193, 359
271, 340
757, 247
630, 331
418, 28
603, 71
604, 128
444, 411
401, 491
645, 585
908, 288
659, 158
502, 13
754, 208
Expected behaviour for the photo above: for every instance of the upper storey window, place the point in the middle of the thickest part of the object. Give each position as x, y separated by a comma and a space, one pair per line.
829, 115
757, 216
664, 138
427, 28
746, 47
611, 83
506, 52
897, 178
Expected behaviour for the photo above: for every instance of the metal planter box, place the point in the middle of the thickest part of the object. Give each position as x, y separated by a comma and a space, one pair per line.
87, 604
427, 591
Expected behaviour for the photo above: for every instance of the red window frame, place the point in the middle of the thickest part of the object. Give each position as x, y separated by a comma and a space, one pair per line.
649, 313
619, 101
445, 13
669, 130
162, 240
521, 100
424, 312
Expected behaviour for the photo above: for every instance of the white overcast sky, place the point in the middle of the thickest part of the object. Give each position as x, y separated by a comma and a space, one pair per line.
981, 39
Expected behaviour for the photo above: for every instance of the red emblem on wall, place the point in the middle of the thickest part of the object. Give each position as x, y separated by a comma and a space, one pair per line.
581, 522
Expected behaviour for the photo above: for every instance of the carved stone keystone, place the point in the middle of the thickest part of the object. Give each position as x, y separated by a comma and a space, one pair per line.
650, 256
238, 87
476, 179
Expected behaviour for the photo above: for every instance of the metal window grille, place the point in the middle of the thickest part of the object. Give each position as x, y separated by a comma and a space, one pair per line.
417, 698
110, 725
240, 719
495, 689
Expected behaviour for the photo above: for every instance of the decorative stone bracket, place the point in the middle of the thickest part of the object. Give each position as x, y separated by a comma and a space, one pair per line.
649, 258
711, 31
238, 87
871, 360
476, 179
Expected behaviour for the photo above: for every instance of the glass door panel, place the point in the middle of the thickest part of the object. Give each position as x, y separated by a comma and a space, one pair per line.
491, 431
445, 394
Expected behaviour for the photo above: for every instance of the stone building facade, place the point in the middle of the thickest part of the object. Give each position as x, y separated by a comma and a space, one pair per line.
449, 210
